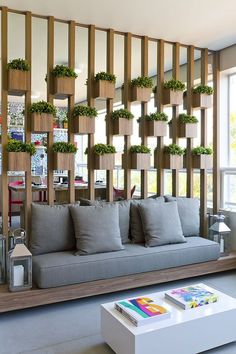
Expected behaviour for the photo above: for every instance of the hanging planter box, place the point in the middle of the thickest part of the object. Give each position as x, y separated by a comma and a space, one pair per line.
63, 87
187, 130
18, 82
141, 94
63, 161
203, 162
171, 97
104, 162
156, 128
41, 122
19, 161
202, 100
104, 89
172, 162
84, 125
140, 161
122, 126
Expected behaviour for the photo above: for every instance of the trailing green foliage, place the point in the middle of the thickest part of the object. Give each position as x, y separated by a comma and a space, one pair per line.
18, 64
142, 81
174, 149
43, 107
175, 85
63, 71
18, 146
204, 89
140, 149
102, 149
122, 113
102, 75
85, 111
185, 118
64, 147
157, 116
201, 150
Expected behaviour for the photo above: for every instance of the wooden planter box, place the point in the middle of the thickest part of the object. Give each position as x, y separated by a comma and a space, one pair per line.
156, 128
202, 162
202, 100
41, 122
122, 126
172, 98
142, 94
63, 161
63, 87
104, 89
172, 162
19, 161
84, 125
18, 82
140, 161
104, 162
185, 130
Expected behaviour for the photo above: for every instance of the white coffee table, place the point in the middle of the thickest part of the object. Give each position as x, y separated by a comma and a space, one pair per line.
186, 332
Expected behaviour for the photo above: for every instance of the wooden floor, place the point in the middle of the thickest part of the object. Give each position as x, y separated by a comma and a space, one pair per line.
37, 297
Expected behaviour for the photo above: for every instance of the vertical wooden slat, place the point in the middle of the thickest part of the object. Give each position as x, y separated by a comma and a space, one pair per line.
110, 69
90, 99
50, 54
71, 102
144, 111
216, 135
160, 143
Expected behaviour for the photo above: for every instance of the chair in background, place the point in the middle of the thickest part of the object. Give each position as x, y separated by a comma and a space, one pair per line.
119, 194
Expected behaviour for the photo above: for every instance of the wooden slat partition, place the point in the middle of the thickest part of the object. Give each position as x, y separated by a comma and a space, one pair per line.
216, 135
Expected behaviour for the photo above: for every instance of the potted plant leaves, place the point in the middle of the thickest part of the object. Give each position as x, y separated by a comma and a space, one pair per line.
18, 77
141, 89
63, 81
202, 157
84, 119
202, 96
156, 124
173, 92
64, 155
19, 154
42, 115
104, 85
173, 157
122, 123
140, 157
104, 156
187, 126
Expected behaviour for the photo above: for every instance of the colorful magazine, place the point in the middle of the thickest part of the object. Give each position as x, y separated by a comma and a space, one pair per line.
191, 296
142, 310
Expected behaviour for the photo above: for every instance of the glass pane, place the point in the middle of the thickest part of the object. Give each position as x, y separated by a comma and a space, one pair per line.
232, 120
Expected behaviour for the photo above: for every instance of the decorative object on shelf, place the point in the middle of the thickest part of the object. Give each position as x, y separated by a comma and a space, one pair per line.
2, 258
221, 233
19, 154
63, 81
104, 156
202, 96
202, 157
173, 92
140, 157
156, 124
187, 126
65, 123
173, 157
122, 123
83, 119
141, 89
18, 77
104, 85
42, 114
64, 158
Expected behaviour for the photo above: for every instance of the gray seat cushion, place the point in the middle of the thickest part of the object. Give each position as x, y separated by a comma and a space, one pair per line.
63, 268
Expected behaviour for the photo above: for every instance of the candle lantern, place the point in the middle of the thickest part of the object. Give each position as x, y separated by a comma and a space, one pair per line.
221, 234
2, 259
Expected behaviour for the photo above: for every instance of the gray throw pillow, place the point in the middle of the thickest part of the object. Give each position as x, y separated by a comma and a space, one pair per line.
136, 228
161, 224
189, 214
96, 228
52, 229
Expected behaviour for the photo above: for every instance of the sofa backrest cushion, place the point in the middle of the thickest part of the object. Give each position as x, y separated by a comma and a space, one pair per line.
52, 229
96, 228
161, 223
189, 214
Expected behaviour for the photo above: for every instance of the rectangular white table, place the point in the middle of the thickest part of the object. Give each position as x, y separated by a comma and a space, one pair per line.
186, 332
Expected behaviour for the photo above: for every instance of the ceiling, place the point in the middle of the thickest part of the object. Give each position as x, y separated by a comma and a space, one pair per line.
201, 23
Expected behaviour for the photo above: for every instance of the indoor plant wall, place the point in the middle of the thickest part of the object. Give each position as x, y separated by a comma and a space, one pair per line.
173, 157
141, 89
104, 156
122, 122
64, 156
104, 85
172, 94
19, 154
63, 81
140, 157
84, 119
18, 77
202, 157
187, 126
42, 115
203, 96
156, 124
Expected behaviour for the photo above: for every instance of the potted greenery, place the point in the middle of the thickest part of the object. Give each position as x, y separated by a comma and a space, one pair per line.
202, 96
173, 92
83, 119
122, 123
104, 85
18, 77
156, 124
19, 155
104, 156
65, 123
141, 89
173, 157
202, 157
63, 81
42, 115
187, 126
64, 155
140, 157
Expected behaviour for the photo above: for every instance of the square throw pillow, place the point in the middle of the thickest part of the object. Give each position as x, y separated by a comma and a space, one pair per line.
96, 228
136, 227
189, 214
161, 224
52, 229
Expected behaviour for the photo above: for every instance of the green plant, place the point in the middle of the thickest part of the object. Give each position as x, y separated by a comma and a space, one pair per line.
175, 85
201, 150
122, 113
64, 147
18, 146
174, 149
85, 111
185, 118
18, 64
102, 149
154, 90
102, 75
43, 107
157, 116
142, 81
203, 89
63, 71
140, 149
